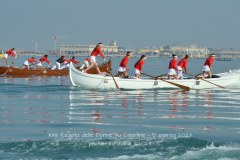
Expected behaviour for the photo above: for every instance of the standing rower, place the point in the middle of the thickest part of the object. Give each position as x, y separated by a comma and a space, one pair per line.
172, 68
11, 52
138, 66
122, 69
29, 60
59, 62
97, 50
67, 63
182, 64
44, 58
207, 67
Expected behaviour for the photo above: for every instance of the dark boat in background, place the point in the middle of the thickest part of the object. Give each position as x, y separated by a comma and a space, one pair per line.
19, 72
223, 59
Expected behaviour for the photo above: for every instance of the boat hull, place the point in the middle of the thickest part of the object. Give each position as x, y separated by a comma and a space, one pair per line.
106, 82
18, 72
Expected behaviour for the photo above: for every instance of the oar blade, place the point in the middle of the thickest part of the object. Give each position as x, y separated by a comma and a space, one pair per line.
206, 80
213, 83
178, 85
175, 84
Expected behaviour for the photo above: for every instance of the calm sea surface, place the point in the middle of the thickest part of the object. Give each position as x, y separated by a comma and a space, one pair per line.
48, 118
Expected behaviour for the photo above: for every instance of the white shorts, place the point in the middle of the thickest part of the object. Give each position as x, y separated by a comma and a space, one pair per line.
206, 68
93, 59
5, 55
179, 68
39, 64
137, 71
26, 63
121, 69
171, 72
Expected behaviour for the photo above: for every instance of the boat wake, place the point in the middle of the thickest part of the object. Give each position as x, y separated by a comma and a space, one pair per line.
174, 149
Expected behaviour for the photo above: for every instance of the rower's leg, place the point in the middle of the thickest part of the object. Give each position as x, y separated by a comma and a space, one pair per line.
120, 74
125, 74
91, 65
210, 74
169, 77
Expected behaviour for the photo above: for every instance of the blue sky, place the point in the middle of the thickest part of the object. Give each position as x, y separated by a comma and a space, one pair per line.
132, 23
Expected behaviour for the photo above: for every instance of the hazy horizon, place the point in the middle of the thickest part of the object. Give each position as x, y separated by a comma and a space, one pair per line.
131, 23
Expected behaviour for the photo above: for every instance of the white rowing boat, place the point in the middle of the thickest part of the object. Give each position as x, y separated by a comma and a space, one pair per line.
96, 81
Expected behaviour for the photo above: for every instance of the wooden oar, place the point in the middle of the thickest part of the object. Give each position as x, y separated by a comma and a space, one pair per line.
115, 81
41, 70
5, 73
205, 80
110, 70
175, 84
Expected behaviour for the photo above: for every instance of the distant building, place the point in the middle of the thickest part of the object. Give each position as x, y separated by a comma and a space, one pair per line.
148, 50
227, 53
27, 52
192, 50
87, 49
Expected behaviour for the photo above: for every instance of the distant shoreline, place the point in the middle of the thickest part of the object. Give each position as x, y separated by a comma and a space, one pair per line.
118, 56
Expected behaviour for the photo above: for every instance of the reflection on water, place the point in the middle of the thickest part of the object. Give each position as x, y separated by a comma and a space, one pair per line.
194, 111
31, 109
36, 80
178, 99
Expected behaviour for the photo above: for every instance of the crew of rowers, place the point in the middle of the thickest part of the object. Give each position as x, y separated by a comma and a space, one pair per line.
60, 63
175, 69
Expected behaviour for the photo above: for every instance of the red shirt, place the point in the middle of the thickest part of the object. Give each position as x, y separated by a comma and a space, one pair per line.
183, 63
44, 59
73, 61
209, 61
173, 64
97, 51
10, 52
139, 64
88, 59
32, 60
124, 62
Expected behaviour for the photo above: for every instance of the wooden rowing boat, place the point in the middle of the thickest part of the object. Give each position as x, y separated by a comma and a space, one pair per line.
18, 72
97, 81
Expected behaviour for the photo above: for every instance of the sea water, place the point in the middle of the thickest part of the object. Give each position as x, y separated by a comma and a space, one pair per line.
48, 118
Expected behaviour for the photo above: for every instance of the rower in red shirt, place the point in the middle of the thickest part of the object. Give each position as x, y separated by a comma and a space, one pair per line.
138, 66
97, 50
29, 60
207, 67
86, 62
73, 60
182, 64
172, 67
67, 63
44, 58
122, 69
10, 52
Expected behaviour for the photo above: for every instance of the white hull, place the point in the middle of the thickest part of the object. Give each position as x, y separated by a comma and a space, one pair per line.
91, 81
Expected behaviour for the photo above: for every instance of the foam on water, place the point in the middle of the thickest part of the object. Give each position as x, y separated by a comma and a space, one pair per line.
127, 149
